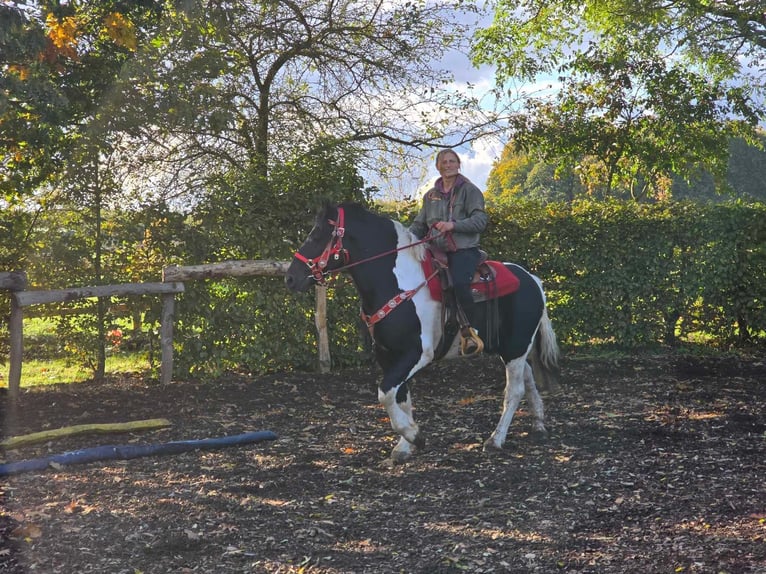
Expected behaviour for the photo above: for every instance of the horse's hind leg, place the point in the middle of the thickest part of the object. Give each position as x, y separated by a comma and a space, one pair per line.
514, 391
535, 403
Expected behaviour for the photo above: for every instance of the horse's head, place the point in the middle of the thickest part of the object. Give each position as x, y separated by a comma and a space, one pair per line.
321, 253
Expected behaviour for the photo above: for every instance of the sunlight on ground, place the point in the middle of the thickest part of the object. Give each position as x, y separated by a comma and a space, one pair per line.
489, 534
664, 415
703, 416
36, 373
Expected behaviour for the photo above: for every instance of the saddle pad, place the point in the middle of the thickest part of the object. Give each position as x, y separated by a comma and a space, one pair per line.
505, 282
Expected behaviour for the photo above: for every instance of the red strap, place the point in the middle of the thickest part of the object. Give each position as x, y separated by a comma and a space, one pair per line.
392, 304
383, 312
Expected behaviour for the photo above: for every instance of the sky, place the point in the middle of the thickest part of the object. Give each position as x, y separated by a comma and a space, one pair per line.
477, 159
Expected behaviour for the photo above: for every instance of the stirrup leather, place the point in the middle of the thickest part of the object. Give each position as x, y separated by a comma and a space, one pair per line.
474, 336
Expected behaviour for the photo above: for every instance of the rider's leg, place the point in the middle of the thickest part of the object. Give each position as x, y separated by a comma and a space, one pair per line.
462, 264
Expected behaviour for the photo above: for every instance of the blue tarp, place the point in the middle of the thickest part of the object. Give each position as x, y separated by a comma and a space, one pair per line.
125, 452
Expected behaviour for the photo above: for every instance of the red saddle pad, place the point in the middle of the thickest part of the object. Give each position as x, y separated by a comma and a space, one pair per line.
505, 281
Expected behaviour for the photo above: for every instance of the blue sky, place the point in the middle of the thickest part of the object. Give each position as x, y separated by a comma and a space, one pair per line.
477, 158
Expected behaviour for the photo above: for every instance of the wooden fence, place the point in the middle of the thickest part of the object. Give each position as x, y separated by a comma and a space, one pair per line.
172, 284
252, 268
20, 298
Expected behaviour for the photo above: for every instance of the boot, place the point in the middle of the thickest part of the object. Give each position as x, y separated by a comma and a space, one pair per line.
470, 342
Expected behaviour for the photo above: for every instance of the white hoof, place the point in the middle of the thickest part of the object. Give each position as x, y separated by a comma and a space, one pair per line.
491, 446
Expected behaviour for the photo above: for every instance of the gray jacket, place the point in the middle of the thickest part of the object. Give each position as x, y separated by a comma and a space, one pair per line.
464, 205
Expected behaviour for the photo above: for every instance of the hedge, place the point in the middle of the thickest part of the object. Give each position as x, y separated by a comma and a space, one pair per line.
626, 274
635, 274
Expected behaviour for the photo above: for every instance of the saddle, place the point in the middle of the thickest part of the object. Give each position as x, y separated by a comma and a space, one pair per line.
491, 280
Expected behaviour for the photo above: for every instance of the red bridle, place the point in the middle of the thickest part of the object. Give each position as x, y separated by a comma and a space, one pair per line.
334, 250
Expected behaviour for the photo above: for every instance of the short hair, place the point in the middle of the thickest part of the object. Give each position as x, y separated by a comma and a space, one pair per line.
445, 152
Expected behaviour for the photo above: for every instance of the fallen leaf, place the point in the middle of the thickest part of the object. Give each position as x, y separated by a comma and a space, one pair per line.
27, 531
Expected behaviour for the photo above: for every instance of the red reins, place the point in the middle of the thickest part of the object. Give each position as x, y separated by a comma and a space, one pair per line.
335, 250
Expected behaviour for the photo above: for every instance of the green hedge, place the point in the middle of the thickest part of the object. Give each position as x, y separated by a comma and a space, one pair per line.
636, 274
621, 273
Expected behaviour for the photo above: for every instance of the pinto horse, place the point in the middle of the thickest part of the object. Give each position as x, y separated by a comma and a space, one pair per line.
385, 262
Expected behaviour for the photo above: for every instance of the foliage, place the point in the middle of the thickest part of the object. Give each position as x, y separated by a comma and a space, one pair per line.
255, 324
519, 174
235, 112
75, 53
139, 244
636, 274
59, 61
628, 274
529, 37
647, 91
242, 86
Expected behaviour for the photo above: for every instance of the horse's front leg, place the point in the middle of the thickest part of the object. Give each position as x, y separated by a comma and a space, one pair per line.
398, 403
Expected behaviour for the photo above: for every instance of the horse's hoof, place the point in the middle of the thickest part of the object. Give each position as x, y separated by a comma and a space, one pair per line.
490, 447
539, 435
398, 457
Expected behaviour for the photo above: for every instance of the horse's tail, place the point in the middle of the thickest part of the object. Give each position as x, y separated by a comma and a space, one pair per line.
545, 355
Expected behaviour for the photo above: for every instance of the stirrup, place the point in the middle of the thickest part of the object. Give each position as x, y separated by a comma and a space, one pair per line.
471, 345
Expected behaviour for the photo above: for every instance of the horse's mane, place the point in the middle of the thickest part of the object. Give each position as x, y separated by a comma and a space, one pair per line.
418, 251
357, 209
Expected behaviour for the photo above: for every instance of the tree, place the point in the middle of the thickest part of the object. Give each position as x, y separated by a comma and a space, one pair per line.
240, 85
516, 174
648, 90
57, 138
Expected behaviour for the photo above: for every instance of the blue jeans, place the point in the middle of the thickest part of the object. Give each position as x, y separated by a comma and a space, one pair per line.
462, 265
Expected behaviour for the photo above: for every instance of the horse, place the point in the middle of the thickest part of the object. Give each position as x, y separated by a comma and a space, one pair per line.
385, 262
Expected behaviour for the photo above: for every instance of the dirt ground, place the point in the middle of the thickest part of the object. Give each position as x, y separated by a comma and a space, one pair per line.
652, 465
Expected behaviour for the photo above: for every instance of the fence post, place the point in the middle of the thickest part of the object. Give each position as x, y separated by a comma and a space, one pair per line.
245, 268
320, 320
16, 332
14, 281
166, 337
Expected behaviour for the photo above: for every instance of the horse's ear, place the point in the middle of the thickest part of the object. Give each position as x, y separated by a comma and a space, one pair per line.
328, 210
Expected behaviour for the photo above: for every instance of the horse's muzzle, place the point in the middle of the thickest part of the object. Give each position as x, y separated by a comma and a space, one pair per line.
296, 278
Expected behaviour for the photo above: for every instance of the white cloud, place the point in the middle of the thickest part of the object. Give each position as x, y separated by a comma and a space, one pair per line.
475, 163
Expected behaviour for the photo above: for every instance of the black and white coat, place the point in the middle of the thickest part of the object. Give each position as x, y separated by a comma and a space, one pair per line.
407, 339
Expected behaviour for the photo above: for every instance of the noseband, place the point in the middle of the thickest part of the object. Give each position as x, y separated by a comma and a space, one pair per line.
334, 250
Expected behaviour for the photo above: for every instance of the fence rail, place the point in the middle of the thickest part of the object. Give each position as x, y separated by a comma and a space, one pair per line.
259, 267
171, 285
16, 283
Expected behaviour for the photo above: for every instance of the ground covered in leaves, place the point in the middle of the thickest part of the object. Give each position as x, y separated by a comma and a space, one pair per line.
652, 465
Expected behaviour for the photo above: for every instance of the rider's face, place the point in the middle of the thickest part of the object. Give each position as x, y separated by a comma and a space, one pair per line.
449, 165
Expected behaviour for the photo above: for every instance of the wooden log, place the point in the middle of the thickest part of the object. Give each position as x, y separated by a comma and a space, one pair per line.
244, 268
166, 337
25, 298
13, 280
97, 428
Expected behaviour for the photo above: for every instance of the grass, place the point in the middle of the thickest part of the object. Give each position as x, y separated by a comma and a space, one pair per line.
49, 366
56, 371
